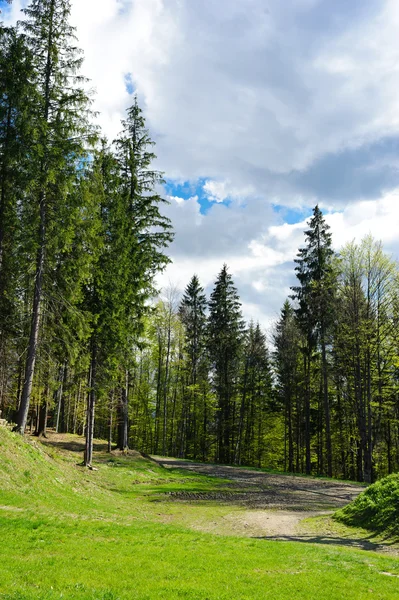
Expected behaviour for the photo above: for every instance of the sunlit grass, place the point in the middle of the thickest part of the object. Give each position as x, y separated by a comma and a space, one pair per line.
376, 509
112, 534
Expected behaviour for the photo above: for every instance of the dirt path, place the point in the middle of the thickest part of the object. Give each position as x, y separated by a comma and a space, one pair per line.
278, 507
255, 489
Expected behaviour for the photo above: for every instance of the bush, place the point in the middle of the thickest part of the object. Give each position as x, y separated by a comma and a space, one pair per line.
377, 508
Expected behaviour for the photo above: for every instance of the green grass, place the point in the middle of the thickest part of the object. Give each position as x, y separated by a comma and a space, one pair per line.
111, 534
376, 509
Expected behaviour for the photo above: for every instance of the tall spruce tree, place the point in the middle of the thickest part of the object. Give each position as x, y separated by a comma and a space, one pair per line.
225, 335
148, 232
134, 234
315, 312
61, 129
16, 97
287, 369
193, 316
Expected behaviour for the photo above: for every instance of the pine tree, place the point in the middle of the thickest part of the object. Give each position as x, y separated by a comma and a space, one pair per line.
225, 333
147, 232
287, 368
103, 300
315, 312
61, 130
256, 397
193, 316
134, 235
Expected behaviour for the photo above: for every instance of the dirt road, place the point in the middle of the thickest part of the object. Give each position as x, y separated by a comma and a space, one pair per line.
255, 489
279, 507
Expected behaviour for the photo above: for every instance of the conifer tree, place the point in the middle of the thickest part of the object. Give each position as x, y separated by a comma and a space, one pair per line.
16, 96
287, 369
225, 334
147, 231
134, 235
61, 131
193, 316
315, 312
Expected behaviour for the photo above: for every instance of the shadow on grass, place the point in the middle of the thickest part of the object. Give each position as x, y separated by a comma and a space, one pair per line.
361, 543
73, 446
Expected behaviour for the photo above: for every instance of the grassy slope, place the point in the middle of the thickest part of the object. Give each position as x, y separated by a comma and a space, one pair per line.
76, 534
377, 508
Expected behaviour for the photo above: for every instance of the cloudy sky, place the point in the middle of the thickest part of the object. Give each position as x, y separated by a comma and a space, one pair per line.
260, 109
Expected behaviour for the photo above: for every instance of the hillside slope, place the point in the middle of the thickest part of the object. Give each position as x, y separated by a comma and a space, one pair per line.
377, 508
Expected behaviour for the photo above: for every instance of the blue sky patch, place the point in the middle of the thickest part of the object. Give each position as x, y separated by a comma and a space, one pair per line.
4, 7
292, 215
129, 83
188, 189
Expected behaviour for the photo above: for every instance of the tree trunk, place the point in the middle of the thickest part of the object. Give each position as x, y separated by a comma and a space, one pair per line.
165, 394
35, 324
41, 429
60, 399
123, 429
290, 433
91, 403
326, 404
237, 457
110, 421
307, 413
40, 260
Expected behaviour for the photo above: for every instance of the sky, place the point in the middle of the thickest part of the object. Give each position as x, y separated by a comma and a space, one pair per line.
260, 109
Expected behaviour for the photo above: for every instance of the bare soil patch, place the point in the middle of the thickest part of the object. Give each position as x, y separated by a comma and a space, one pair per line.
278, 507
257, 489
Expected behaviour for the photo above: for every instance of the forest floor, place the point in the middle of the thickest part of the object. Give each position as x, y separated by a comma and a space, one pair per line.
136, 528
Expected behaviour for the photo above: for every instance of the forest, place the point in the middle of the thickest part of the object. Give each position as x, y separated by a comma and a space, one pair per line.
88, 345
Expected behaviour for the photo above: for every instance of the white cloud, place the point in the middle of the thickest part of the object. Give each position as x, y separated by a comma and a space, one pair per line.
219, 191
236, 91
216, 190
379, 217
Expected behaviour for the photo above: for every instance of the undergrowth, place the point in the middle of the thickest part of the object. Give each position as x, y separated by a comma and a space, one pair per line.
376, 509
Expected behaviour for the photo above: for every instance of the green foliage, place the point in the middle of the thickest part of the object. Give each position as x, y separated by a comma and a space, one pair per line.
196, 408
288, 370
256, 402
315, 293
377, 508
82, 238
60, 129
225, 337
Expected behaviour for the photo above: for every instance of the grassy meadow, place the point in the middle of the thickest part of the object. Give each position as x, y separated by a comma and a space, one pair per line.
115, 534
